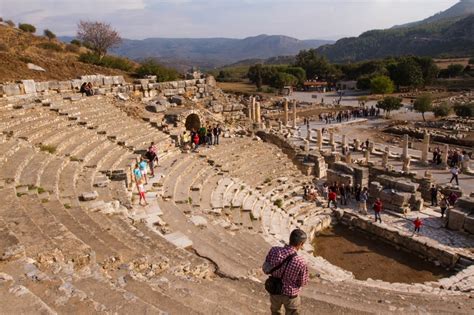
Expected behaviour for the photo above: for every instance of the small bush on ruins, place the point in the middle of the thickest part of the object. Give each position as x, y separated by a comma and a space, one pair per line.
72, 48
99, 36
151, 67
27, 27
464, 110
442, 110
390, 103
278, 203
48, 148
10, 23
50, 35
423, 104
51, 46
107, 61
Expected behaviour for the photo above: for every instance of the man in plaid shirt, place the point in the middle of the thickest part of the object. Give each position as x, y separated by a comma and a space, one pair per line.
295, 273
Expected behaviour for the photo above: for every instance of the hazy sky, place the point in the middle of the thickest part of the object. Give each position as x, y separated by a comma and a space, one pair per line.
304, 19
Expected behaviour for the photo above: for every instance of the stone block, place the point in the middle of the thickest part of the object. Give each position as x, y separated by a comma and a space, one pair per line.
118, 80
178, 100
343, 167
11, 89
65, 86
406, 186
456, 219
198, 221
400, 198
465, 204
41, 86
88, 196
469, 224
76, 84
181, 84
29, 86
108, 81
53, 85
179, 240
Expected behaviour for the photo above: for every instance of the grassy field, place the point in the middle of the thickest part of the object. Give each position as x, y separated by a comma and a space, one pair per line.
243, 88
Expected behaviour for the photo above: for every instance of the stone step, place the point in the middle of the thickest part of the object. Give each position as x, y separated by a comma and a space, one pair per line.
67, 179
30, 175
50, 177
12, 167
250, 201
217, 195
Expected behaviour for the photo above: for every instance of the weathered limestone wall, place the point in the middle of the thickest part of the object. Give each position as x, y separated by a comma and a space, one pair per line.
427, 249
111, 84
462, 216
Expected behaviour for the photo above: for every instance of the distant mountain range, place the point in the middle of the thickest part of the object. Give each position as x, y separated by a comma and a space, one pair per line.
211, 52
446, 34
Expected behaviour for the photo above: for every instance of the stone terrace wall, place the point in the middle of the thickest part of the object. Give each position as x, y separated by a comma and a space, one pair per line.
110, 84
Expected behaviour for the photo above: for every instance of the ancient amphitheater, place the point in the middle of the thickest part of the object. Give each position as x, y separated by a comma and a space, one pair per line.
74, 239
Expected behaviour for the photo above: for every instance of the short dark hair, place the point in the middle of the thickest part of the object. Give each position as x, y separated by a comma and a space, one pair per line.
297, 237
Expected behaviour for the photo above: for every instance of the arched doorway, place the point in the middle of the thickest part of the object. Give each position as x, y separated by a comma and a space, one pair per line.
193, 122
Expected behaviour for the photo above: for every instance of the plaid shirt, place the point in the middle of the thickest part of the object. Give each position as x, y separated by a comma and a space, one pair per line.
296, 274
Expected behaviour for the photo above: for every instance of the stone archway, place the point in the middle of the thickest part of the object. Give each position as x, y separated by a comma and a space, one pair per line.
193, 121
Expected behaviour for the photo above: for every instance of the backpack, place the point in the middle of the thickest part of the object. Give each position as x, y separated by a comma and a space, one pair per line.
274, 285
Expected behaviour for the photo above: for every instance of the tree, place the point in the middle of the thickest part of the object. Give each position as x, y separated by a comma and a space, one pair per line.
315, 65
429, 69
27, 27
464, 110
442, 110
50, 35
407, 73
99, 36
283, 79
151, 67
297, 72
255, 75
381, 85
454, 70
76, 42
423, 104
389, 104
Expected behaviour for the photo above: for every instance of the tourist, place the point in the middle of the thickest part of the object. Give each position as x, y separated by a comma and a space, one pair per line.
434, 195
286, 267
202, 135
142, 193
89, 89
357, 191
332, 197
151, 157
377, 209
312, 194
443, 204
363, 198
452, 199
186, 140
348, 192
418, 223
196, 142
342, 193
454, 172
84, 89
209, 136
217, 132
305, 192
143, 165
325, 191
137, 174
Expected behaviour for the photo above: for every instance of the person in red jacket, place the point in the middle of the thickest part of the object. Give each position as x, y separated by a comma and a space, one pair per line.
377, 209
418, 223
332, 199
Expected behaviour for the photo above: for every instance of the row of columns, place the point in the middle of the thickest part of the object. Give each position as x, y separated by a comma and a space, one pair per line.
254, 112
286, 113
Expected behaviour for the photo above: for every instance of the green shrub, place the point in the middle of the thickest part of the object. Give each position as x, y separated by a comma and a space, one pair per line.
107, 61
76, 42
464, 110
10, 23
72, 48
50, 35
151, 67
27, 27
48, 148
51, 46
442, 110
278, 203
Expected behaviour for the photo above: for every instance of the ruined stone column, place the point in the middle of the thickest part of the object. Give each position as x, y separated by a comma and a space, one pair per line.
320, 139
258, 117
356, 145
308, 136
252, 109
285, 118
405, 147
294, 113
367, 156
349, 158
306, 146
280, 125
444, 157
344, 141
425, 149
331, 138
406, 164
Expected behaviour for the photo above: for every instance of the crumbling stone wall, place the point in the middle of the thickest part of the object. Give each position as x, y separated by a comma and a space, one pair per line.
461, 217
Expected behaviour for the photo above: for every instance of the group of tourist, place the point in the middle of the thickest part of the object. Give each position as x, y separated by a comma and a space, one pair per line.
347, 115
443, 200
203, 136
146, 164
87, 89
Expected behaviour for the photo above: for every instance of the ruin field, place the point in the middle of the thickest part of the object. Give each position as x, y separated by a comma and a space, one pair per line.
76, 237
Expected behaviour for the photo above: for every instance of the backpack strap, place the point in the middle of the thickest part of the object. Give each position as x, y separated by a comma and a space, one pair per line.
288, 258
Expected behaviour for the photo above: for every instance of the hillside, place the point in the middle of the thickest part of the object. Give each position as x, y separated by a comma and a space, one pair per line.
213, 52
444, 38
458, 11
18, 48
